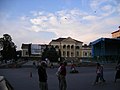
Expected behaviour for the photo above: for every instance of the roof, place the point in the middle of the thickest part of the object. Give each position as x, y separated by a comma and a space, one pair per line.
78, 41
104, 39
115, 31
25, 46
85, 46
61, 39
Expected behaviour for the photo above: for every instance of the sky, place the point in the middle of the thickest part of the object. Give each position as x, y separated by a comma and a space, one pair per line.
40, 21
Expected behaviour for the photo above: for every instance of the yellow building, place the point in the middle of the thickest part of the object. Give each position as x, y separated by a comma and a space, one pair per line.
70, 49
86, 51
116, 34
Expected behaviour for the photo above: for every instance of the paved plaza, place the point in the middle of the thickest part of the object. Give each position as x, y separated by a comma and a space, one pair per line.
21, 80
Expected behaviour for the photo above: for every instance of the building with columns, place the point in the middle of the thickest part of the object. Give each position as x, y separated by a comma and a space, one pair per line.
71, 49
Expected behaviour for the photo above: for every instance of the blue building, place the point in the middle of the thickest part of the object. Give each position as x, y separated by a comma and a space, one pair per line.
107, 49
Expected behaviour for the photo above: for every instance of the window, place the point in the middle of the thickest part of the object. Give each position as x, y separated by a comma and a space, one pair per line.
84, 53
64, 46
68, 47
72, 47
68, 54
90, 54
77, 53
77, 47
64, 54
72, 54
57, 47
26, 53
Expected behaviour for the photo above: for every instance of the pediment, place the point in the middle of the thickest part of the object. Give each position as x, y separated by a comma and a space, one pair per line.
69, 39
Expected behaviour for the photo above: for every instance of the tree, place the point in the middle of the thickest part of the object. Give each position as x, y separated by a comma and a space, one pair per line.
8, 48
51, 54
45, 53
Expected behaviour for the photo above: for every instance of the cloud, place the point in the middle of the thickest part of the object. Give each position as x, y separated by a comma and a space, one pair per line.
118, 8
95, 4
91, 18
107, 7
20, 31
73, 23
43, 26
104, 7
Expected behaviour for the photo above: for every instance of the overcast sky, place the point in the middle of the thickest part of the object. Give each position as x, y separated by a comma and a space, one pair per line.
40, 21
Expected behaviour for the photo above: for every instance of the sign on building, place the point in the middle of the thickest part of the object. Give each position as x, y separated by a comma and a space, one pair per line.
35, 49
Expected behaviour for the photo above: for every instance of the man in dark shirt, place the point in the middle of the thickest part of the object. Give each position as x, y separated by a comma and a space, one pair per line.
42, 76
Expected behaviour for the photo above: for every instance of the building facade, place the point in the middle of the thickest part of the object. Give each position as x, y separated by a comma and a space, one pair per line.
106, 49
86, 52
32, 50
25, 50
116, 34
68, 48
71, 49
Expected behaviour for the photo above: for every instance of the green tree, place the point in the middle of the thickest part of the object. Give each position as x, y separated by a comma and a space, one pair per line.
51, 54
45, 53
8, 48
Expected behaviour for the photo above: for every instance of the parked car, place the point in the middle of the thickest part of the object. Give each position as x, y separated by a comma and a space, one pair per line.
4, 84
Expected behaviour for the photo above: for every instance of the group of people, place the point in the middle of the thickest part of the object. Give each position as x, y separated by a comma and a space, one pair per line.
61, 74
99, 73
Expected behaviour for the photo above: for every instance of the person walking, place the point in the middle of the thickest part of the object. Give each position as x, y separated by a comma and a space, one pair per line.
99, 74
34, 64
42, 76
117, 76
62, 77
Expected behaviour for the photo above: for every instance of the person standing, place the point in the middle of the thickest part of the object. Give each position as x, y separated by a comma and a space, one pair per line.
62, 77
58, 73
42, 76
